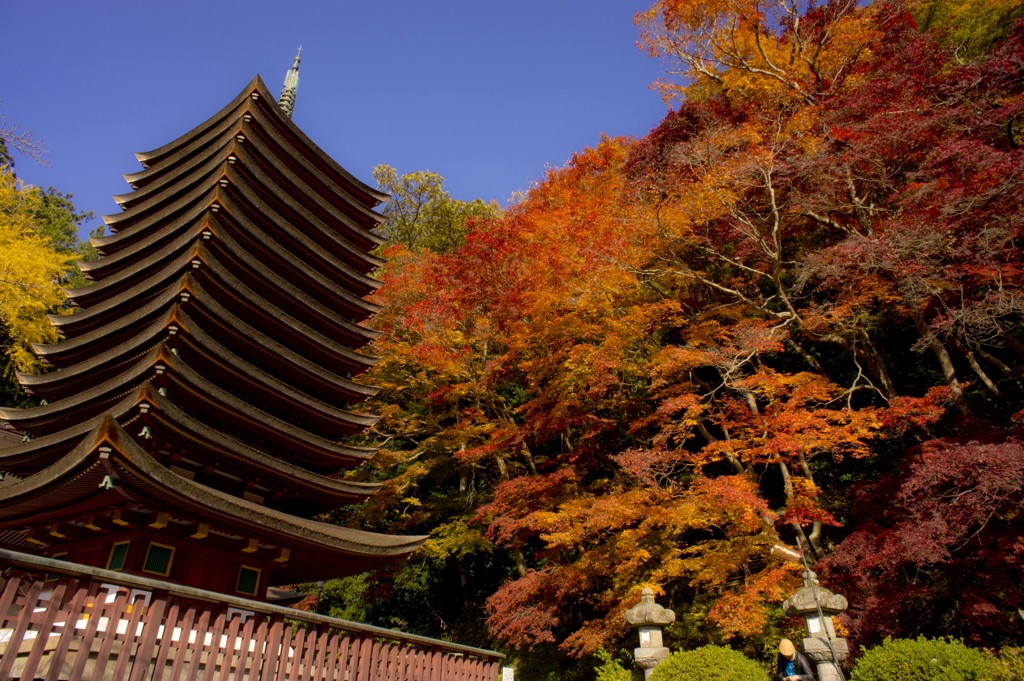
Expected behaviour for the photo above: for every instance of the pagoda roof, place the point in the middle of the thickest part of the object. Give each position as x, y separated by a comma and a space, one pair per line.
78, 484
308, 414
255, 91
222, 230
197, 259
28, 457
189, 290
233, 182
346, 241
261, 152
250, 345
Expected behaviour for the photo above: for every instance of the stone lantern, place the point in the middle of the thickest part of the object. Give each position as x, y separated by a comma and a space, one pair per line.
649, 618
817, 606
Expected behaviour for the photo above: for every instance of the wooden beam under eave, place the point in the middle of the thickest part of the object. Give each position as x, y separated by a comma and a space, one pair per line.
201, 532
162, 518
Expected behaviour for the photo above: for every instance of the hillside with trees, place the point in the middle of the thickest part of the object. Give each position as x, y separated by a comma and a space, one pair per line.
792, 312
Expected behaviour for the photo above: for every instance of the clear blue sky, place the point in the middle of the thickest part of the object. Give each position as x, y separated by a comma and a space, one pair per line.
485, 92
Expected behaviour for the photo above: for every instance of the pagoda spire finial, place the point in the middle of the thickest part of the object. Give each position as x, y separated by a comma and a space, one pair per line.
291, 86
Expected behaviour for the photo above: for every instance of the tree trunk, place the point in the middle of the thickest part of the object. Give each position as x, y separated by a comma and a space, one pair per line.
972, 360
941, 354
876, 363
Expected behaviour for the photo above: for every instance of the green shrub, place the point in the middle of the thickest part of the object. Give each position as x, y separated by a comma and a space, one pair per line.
610, 669
710, 663
1010, 664
923, 659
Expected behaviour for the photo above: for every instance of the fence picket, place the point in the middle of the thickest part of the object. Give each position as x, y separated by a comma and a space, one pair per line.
71, 615
84, 627
151, 628
229, 652
270, 658
216, 649
164, 649
28, 671
129, 647
244, 652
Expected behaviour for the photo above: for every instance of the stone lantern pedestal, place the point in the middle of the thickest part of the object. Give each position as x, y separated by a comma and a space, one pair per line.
649, 617
817, 606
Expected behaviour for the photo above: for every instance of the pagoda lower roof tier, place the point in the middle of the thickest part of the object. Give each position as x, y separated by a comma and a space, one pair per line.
109, 483
294, 389
227, 281
193, 308
211, 370
197, 451
215, 362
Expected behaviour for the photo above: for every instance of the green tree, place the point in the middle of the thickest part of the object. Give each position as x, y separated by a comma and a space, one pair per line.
421, 214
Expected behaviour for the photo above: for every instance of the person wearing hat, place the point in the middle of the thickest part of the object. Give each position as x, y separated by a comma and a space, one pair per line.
792, 665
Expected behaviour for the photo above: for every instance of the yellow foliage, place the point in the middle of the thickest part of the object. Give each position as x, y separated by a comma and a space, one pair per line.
30, 271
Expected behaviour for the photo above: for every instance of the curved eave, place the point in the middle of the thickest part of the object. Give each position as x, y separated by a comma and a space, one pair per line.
127, 290
195, 136
303, 374
83, 375
226, 148
158, 226
373, 196
87, 404
130, 288
315, 343
31, 456
330, 492
268, 136
302, 144
226, 247
148, 255
255, 422
244, 333
215, 148
251, 375
249, 236
101, 339
203, 352
334, 228
250, 203
76, 479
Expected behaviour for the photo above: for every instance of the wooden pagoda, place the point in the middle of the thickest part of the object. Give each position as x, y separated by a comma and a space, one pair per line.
197, 416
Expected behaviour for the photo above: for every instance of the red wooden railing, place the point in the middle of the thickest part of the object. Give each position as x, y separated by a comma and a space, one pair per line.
65, 622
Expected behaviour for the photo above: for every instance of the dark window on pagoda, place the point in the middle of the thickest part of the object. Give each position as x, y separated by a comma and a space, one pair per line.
159, 559
118, 556
248, 580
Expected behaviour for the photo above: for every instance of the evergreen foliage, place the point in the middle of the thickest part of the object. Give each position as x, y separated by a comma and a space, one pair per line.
709, 663
923, 659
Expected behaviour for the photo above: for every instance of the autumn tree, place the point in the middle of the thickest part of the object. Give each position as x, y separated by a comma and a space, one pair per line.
421, 215
674, 351
945, 548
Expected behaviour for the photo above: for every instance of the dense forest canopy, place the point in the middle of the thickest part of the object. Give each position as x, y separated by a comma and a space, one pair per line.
792, 312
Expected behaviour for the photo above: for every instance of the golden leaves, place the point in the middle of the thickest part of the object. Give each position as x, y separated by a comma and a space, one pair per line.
30, 270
